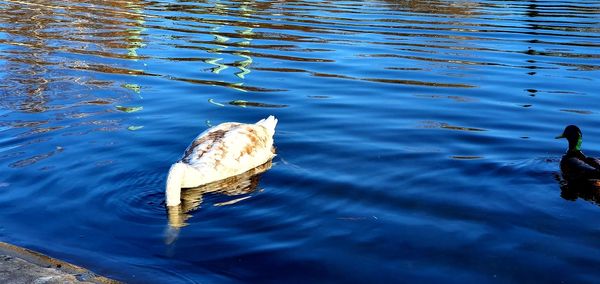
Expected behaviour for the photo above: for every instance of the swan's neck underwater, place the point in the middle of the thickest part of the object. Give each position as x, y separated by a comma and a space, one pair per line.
174, 182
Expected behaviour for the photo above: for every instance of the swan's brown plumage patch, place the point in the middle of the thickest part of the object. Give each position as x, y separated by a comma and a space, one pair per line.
212, 138
249, 140
256, 141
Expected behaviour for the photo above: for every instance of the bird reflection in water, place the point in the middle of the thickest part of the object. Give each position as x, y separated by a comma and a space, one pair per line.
191, 198
588, 190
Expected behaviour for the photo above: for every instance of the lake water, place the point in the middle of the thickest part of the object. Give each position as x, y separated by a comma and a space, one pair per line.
415, 139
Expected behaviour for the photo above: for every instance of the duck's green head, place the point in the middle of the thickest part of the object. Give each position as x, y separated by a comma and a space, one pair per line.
574, 136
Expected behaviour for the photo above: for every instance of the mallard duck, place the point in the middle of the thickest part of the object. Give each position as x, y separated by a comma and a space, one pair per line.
223, 151
574, 165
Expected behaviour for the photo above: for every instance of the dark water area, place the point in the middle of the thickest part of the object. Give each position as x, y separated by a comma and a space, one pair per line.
415, 138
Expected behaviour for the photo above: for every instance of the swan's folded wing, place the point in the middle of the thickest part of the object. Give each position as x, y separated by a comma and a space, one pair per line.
247, 146
230, 150
205, 142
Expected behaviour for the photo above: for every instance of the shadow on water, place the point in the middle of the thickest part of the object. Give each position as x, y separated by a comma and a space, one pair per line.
588, 191
238, 187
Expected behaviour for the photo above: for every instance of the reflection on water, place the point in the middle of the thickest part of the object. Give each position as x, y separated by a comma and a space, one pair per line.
433, 124
400, 120
40, 40
463, 8
34, 159
45, 48
192, 198
589, 191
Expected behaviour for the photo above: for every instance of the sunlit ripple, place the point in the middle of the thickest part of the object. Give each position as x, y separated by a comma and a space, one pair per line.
415, 137
243, 31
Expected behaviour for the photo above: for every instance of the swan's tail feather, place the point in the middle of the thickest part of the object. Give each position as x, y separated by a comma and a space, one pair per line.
269, 123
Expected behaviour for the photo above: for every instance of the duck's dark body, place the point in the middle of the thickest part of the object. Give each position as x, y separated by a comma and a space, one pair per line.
574, 165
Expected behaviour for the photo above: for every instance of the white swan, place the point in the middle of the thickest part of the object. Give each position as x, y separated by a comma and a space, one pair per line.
225, 150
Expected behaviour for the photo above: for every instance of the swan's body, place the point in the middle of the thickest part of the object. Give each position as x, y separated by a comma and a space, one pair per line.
225, 150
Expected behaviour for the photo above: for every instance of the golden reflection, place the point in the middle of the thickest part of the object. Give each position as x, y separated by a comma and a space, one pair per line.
192, 198
35, 159
578, 111
221, 42
455, 98
48, 49
466, 157
37, 34
435, 124
243, 103
463, 8
247, 35
378, 80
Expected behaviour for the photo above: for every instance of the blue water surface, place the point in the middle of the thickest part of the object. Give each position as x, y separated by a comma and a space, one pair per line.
415, 140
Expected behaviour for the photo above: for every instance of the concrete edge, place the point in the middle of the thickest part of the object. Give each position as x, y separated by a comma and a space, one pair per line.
44, 261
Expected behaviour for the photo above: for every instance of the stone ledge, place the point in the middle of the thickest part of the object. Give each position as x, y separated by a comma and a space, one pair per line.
20, 265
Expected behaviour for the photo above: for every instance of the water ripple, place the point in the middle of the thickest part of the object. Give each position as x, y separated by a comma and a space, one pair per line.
415, 137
